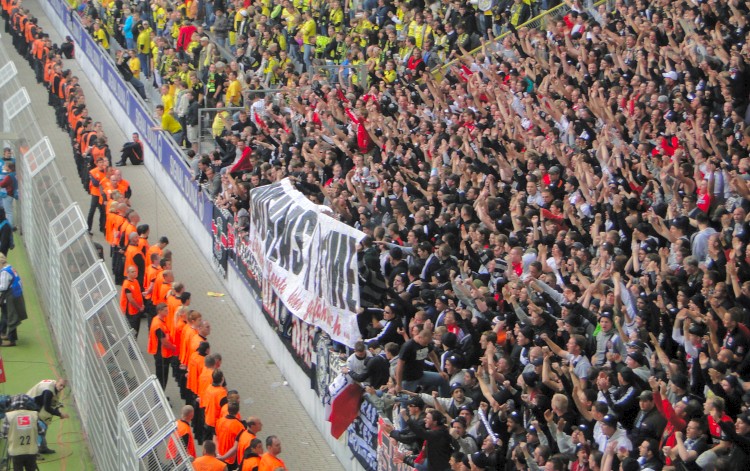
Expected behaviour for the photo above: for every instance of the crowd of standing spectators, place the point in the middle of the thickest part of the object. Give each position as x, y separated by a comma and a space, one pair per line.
556, 272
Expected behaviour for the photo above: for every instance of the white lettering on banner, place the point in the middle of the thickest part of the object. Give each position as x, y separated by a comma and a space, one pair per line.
307, 257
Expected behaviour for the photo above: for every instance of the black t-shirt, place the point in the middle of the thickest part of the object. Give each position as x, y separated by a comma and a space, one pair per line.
413, 354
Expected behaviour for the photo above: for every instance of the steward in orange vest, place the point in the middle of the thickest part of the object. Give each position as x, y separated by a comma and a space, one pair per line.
160, 345
96, 176
131, 300
209, 461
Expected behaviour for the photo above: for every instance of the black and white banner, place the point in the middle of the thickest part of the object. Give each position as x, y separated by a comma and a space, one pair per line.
307, 257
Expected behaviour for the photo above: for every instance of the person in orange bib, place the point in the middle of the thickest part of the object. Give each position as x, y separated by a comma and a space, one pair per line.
160, 346
184, 432
209, 461
250, 461
96, 175
213, 398
253, 426
131, 300
228, 430
270, 460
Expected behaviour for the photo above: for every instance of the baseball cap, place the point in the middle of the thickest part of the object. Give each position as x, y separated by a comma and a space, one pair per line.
479, 459
610, 420
670, 75
416, 401
516, 417
455, 386
638, 357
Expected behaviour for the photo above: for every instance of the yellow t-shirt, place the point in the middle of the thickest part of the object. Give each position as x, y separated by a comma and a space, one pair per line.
234, 93
101, 37
170, 124
135, 66
168, 102
308, 31
217, 127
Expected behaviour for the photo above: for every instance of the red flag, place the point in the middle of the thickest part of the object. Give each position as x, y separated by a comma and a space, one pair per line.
2, 370
344, 409
244, 162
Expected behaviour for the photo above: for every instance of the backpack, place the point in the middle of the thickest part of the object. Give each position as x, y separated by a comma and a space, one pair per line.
12, 242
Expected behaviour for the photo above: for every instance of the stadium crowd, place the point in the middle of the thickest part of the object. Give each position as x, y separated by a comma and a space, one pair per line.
556, 272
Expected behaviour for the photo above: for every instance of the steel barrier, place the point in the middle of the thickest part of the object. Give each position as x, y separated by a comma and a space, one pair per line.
127, 420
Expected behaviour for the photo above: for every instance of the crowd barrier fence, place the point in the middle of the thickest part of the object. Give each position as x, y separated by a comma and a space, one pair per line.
127, 420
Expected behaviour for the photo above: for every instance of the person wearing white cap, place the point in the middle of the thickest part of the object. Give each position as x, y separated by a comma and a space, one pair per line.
11, 302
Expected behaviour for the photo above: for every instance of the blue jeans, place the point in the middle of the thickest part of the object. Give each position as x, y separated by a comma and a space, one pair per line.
209, 18
430, 381
130, 43
307, 54
145, 64
8, 205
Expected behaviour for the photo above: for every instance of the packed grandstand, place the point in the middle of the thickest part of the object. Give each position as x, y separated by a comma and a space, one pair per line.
556, 268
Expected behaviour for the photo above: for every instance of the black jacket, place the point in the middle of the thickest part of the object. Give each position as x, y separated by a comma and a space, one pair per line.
377, 371
439, 445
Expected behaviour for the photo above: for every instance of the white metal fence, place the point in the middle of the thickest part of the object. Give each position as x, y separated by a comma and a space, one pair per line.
126, 417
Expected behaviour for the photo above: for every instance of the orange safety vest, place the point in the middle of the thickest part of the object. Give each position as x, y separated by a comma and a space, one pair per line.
212, 397
153, 249
227, 429
143, 246
96, 176
130, 253
135, 290
163, 290
112, 221
195, 368
105, 187
49, 70
61, 93
173, 303
153, 340
39, 48
243, 443
204, 381
251, 464
270, 463
183, 429
179, 329
148, 279
209, 463
156, 292
187, 338
124, 232
98, 152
